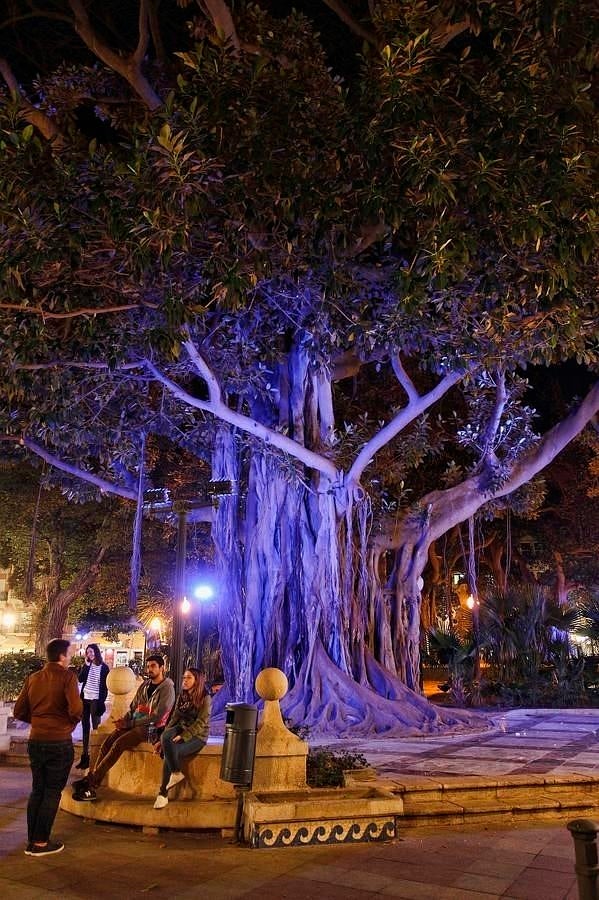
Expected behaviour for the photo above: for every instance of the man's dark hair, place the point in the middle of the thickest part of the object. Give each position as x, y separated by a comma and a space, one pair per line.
157, 658
56, 649
97, 655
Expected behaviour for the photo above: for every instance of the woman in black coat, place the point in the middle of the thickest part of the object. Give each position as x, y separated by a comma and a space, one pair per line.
92, 677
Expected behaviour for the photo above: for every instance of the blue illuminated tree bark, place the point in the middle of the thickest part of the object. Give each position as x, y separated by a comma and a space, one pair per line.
255, 238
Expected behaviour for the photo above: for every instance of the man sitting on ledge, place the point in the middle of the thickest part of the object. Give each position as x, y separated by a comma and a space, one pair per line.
151, 706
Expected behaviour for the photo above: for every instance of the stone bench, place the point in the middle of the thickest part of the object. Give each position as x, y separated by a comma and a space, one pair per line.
203, 800
139, 772
128, 792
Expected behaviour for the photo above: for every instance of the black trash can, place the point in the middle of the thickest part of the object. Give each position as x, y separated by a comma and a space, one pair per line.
239, 747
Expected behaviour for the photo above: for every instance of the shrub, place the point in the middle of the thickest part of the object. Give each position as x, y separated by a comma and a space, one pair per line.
325, 768
14, 668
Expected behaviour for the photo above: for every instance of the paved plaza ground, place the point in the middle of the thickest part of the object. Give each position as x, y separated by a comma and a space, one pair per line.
451, 864
519, 742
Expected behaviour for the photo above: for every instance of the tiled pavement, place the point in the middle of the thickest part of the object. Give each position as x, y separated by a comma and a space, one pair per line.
518, 742
530, 863
105, 861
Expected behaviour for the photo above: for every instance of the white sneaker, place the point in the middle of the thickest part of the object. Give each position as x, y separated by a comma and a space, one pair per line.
160, 802
175, 778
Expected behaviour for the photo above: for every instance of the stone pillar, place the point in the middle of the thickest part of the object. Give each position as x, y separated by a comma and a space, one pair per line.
280, 754
122, 684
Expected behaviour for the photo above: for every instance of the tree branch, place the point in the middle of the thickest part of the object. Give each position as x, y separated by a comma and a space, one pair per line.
495, 417
105, 486
552, 443
219, 12
245, 423
144, 34
456, 504
403, 418
83, 580
154, 25
83, 311
341, 10
36, 117
129, 67
214, 391
75, 364
403, 378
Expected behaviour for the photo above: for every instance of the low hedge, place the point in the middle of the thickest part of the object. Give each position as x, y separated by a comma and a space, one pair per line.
14, 669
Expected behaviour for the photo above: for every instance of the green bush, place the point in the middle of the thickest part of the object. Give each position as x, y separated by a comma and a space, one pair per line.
325, 768
14, 668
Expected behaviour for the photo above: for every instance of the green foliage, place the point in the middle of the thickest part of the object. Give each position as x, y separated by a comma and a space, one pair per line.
14, 669
239, 209
468, 132
65, 533
110, 624
458, 654
561, 683
526, 654
325, 767
520, 632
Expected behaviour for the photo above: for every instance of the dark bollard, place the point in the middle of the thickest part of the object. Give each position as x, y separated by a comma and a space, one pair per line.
584, 832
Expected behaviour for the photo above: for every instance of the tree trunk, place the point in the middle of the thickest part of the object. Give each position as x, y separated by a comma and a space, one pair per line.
302, 589
59, 601
562, 586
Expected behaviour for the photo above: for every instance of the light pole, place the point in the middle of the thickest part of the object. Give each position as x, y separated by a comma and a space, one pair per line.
199, 510
203, 593
177, 642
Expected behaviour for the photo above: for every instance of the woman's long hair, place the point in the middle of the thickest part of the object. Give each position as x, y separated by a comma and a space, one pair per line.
97, 655
198, 691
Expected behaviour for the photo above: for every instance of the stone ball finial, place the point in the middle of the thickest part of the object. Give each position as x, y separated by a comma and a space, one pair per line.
121, 680
271, 684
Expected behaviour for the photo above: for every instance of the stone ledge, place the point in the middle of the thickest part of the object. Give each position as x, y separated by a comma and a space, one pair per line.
202, 801
113, 806
320, 816
321, 803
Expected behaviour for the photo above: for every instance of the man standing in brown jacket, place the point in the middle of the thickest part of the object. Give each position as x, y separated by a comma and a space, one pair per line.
50, 701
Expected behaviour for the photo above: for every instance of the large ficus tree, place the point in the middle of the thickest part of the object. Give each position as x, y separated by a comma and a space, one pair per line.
302, 282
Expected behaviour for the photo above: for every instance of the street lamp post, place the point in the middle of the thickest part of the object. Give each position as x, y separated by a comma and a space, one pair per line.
202, 593
177, 642
199, 510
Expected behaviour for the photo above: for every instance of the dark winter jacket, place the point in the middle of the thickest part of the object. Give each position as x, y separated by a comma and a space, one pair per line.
103, 694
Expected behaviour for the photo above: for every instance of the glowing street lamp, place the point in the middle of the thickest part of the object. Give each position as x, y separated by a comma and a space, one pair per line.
9, 620
156, 624
152, 635
203, 592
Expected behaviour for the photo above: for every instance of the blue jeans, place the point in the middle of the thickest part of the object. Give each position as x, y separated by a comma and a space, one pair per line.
174, 754
51, 763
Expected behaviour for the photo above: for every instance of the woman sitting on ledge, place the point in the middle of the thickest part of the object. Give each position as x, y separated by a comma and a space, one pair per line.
186, 732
